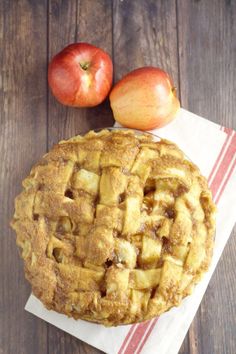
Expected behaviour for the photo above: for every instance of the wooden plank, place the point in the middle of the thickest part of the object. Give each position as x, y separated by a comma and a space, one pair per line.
206, 31
71, 21
23, 115
206, 35
144, 34
78, 21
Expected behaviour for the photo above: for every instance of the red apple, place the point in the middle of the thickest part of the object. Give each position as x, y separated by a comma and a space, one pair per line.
80, 75
144, 99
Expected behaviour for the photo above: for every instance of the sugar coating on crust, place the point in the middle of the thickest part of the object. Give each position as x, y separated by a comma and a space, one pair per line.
114, 227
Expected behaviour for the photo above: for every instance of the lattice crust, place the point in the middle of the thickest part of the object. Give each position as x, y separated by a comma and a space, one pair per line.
114, 227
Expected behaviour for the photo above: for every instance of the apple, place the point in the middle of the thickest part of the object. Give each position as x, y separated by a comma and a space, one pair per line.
144, 99
80, 75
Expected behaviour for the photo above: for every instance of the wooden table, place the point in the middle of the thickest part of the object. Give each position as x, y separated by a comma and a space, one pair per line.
194, 41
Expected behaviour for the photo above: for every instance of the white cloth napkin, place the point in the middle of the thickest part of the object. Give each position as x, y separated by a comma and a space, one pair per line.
213, 149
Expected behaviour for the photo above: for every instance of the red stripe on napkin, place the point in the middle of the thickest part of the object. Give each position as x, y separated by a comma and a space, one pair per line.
226, 181
224, 165
220, 154
154, 321
135, 339
228, 130
127, 338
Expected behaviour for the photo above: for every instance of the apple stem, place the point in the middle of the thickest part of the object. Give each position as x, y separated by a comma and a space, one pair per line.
174, 89
84, 66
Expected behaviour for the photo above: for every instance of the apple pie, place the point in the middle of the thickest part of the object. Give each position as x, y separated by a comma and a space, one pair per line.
114, 227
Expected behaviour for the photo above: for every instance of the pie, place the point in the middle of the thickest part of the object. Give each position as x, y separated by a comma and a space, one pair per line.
114, 227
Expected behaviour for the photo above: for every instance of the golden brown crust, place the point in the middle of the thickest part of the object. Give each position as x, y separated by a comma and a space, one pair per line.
114, 227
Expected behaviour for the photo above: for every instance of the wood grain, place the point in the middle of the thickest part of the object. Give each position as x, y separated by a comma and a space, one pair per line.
144, 33
207, 57
195, 41
207, 62
22, 142
85, 21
